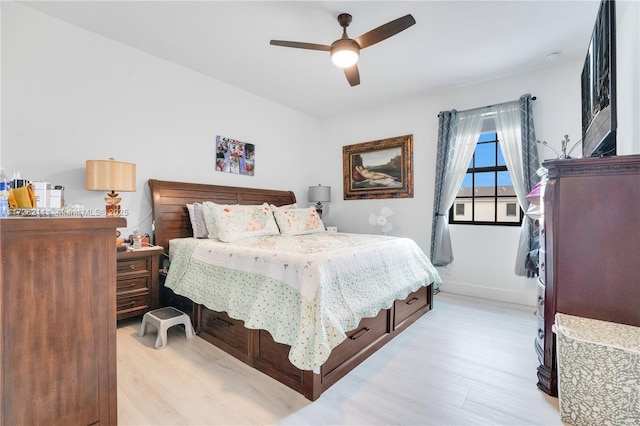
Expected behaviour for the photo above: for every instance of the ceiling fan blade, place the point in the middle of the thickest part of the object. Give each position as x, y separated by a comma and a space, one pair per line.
385, 31
353, 76
300, 45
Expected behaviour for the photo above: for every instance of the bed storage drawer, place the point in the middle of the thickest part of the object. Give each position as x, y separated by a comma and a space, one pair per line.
364, 335
225, 332
415, 302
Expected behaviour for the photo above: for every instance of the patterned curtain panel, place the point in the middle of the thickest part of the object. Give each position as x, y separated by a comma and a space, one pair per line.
531, 163
514, 125
447, 129
458, 133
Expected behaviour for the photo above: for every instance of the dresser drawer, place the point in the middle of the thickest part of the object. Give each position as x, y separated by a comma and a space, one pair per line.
539, 341
540, 297
542, 264
409, 306
127, 266
540, 331
366, 333
129, 305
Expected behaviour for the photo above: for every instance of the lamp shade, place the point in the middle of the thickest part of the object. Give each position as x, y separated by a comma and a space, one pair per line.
110, 175
320, 193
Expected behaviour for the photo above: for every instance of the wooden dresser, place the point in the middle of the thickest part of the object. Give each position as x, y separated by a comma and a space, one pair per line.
591, 240
58, 319
137, 282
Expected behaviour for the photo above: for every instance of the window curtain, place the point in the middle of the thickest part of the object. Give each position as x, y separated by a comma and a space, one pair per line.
458, 134
516, 135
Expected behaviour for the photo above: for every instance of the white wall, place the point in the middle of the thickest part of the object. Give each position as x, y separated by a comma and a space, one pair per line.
628, 76
484, 256
69, 95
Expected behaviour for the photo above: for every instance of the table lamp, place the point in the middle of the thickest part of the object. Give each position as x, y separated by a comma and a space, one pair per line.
319, 194
111, 175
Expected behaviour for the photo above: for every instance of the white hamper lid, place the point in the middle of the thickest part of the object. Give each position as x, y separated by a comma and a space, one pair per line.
605, 333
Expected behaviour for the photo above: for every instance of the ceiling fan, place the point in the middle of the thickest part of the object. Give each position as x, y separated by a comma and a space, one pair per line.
345, 51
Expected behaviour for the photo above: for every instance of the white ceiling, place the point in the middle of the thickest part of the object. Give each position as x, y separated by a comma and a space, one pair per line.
454, 43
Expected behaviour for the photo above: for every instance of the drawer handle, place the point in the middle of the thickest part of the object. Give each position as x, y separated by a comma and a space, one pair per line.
223, 322
412, 301
540, 300
360, 333
126, 305
133, 267
540, 333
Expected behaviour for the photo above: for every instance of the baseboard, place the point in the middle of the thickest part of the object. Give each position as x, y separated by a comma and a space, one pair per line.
523, 297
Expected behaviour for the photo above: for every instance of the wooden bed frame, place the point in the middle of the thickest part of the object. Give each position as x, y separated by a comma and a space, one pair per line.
256, 347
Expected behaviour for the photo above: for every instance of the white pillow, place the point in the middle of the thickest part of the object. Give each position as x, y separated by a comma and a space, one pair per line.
209, 221
198, 224
236, 222
298, 221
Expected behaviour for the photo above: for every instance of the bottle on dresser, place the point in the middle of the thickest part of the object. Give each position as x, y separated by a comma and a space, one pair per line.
4, 194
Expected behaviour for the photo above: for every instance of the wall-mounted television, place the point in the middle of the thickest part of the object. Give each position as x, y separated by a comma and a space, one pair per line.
599, 86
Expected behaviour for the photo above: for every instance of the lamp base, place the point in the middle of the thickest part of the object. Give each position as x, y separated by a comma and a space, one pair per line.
319, 208
113, 210
113, 204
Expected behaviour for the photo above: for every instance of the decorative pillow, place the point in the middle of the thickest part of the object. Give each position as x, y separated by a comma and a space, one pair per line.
209, 221
236, 222
198, 224
298, 221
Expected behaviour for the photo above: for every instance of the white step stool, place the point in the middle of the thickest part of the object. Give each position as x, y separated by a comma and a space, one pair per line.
164, 318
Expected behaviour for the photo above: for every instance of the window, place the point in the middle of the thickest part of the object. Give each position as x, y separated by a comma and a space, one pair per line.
487, 196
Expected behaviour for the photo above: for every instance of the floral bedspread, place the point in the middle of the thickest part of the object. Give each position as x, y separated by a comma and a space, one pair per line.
306, 290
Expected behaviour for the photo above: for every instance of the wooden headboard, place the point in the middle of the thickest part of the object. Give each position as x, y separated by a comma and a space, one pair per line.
169, 200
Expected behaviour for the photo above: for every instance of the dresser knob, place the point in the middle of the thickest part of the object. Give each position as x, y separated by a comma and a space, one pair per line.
540, 300
133, 267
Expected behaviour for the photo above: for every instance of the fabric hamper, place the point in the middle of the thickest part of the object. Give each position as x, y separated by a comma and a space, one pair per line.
598, 371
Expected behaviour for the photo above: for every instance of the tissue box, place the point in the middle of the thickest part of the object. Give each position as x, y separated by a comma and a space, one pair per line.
41, 190
56, 198
598, 371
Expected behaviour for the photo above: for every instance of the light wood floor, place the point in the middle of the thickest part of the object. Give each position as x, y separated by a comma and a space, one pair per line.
467, 362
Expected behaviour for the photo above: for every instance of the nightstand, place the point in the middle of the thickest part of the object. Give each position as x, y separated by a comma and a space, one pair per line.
137, 282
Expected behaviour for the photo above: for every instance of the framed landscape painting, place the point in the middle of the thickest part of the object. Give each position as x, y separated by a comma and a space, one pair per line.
378, 169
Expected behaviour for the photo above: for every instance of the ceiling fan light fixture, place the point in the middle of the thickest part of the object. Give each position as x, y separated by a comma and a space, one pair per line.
345, 53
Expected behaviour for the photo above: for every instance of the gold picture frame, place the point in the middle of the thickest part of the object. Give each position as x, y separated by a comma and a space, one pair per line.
378, 169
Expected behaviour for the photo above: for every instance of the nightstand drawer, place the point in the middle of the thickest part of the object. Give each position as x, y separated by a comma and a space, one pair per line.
129, 285
126, 305
132, 265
